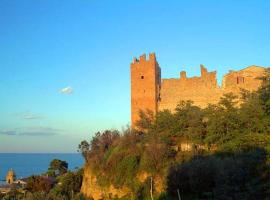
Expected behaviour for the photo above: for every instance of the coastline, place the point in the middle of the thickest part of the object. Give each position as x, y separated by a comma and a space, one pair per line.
27, 164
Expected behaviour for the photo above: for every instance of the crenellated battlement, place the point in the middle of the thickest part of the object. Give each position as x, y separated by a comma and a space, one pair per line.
203, 71
183, 75
144, 58
207, 79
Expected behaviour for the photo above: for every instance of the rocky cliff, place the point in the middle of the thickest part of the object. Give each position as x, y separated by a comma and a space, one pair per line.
91, 189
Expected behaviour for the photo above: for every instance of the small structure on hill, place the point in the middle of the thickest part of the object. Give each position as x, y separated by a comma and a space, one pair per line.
11, 177
21, 182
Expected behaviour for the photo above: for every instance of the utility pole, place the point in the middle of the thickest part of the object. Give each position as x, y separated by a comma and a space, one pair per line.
151, 189
178, 193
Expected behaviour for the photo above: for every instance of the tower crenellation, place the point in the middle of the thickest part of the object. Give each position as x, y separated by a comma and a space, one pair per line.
152, 57
143, 58
204, 71
183, 75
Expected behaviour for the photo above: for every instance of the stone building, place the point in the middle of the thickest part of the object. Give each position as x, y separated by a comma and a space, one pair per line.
150, 92
10, 177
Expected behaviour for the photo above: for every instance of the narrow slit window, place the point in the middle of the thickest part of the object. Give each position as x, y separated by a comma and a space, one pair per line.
240, 80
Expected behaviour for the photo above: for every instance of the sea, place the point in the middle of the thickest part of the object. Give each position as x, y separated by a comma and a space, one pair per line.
28, 164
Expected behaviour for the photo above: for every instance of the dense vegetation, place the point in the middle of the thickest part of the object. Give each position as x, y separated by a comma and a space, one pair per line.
220, 152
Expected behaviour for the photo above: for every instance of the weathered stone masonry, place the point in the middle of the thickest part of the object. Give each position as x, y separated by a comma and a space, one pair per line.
148, 91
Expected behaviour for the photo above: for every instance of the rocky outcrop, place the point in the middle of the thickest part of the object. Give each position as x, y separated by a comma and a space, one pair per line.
92, 190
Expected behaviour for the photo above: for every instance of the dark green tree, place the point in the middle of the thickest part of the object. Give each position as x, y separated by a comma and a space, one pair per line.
69, 184
264, 92
84, 148
57, 167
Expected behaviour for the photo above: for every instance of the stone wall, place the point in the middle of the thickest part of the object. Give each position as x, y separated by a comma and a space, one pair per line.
248, 79
201, 90
204, 90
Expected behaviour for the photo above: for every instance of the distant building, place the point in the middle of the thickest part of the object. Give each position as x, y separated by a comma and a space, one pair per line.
22, 182
150, 92
13, 183
10, 177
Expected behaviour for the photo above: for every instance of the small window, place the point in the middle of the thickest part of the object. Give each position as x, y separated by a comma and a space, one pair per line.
240, 80
142, 77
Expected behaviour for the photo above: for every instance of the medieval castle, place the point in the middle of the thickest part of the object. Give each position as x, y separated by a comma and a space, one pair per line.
150, 92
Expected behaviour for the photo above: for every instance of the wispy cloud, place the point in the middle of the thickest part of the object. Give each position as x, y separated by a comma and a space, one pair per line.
7, 132
31, 131
28, 115
37, 133
66, 90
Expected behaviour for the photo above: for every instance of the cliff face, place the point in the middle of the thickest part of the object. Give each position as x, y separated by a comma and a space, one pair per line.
91, 189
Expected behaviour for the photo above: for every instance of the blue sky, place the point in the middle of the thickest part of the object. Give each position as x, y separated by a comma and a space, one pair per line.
85, 47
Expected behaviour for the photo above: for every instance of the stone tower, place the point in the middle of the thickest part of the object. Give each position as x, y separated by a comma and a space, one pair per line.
145, 86
10, 178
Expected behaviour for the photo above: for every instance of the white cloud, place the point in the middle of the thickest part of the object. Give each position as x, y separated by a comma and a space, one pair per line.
67, 90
